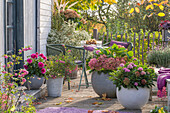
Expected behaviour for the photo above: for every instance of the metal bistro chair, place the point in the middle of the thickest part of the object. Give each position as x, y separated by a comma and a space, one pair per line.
80, 58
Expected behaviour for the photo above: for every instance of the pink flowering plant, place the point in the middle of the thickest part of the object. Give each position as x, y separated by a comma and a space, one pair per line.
133, 75
35, 65
60, 65
10, 95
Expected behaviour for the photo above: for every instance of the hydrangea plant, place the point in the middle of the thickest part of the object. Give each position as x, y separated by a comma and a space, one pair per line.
133, 75
108, 59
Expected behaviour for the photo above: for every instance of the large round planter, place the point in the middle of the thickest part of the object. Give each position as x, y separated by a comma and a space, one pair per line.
34, 83
101, 85
54, 87
133, 98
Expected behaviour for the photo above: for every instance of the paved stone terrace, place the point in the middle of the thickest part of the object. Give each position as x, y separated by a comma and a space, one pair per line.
86, 96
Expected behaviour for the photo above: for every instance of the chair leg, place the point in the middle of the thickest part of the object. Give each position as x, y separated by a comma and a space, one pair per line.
68, 85
86, 80
80, 79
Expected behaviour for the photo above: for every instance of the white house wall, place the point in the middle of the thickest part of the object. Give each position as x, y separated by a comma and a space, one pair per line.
1, 30
45, 23
30, 25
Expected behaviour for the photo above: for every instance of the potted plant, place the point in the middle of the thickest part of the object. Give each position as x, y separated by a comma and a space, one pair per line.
58, 67
35, 65
133, 81
160, 57
106, 60
165, 27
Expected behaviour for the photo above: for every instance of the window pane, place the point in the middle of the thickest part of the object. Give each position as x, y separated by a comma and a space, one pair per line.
10, 14
9, 39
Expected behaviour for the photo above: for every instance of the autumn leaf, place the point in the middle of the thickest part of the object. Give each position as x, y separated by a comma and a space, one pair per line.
161, 7
131, 11
58, 103
90, 111
138, 4
68, 101
142, 1
147, 7
150, 15
105, 111
137, 9
70, 98
144, 16
94, 103
161, 14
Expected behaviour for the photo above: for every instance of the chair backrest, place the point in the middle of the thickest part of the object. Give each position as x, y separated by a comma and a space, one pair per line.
77, 52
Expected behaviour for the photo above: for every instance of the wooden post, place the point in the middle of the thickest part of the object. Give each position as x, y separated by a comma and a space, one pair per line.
153, 41
125, 37
139, 48
148, 41
116, 37
134, 39
143, 49
95, 33
121, 36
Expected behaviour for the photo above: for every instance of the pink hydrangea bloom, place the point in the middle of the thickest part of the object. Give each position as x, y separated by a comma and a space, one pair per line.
136, 84
122, 65
98, 51
29, 61
143, 73
43, 70
40, 65
129, 66
140, 69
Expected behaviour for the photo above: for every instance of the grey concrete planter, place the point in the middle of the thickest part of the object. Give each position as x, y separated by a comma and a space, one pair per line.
34, 83
54, 87
101, 85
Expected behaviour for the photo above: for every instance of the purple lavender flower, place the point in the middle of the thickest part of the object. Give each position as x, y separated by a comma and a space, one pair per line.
140, 69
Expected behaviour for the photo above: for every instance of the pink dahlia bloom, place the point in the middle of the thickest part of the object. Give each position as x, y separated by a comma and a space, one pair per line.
29, 61
41, 55
34, 56
24, 80
43, 70
25, 66
40, 65
44, 57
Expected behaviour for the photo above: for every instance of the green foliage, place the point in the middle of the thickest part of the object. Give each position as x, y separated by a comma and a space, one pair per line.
159, 57
67, 35
132, 75
60, 65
